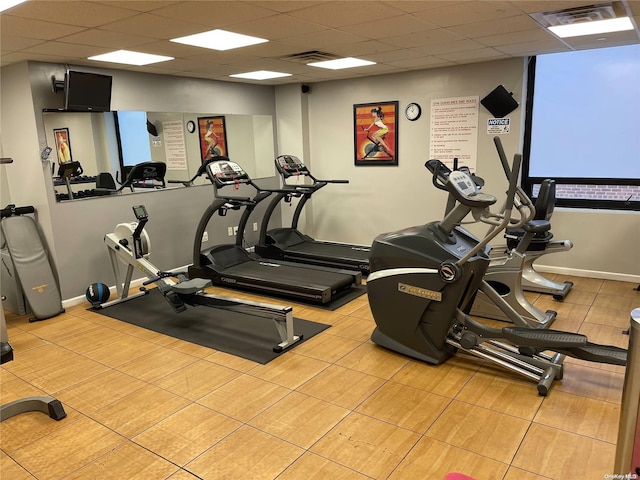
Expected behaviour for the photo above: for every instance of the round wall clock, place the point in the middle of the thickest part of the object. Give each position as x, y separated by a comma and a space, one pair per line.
413, 111
191, 126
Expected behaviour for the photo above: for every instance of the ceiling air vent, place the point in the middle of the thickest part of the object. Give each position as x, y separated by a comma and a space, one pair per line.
310, 57
587, 13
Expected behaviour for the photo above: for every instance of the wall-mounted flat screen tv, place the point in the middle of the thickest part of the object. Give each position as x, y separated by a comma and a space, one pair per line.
87, 92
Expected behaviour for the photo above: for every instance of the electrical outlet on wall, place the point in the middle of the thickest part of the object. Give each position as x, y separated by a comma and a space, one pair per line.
235, 230
205, 236
255, 226
230, 231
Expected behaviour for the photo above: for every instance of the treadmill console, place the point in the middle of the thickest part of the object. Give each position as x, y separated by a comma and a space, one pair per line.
290, 165
226, 172
465, 190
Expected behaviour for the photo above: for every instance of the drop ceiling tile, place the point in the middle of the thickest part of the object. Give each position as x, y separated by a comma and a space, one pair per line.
323, 40
278, 27
379, 29
516, 37
215, 13
419, 39
105, 38
474, 56
154, 26
83, 14
460, 13
28, 28
368, 47
72, 50
495, 27
422, 62
10, 43
341, 13
139, 5
533, 48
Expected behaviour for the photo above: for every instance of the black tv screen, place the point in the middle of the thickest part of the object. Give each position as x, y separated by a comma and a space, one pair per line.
87, 92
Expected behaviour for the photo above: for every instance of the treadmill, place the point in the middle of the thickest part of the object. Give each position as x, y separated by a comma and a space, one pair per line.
289, 243
230, 265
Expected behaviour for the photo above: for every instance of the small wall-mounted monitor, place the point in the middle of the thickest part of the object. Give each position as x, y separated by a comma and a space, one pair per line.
87, 92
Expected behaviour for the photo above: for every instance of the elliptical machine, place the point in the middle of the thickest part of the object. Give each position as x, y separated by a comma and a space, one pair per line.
423, 277
501, 295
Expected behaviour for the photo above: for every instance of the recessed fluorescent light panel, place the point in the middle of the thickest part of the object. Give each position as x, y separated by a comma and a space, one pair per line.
592, 28
7, 4
260, 75
219, 40
130, 58
341, 63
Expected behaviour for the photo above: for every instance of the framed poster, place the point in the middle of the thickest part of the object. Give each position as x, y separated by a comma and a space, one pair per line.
213, 137
375, 127
63, 145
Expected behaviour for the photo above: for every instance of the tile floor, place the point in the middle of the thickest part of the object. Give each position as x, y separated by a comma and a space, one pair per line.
142, 405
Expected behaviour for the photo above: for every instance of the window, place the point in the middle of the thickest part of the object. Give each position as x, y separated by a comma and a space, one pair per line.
133, 138
583, 127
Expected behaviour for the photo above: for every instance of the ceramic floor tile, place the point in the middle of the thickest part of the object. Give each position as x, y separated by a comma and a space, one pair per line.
404, 406
14, 388
99, 391
431, 459
187, 433
289, 370
562, 455
10, 469
367, 445
230, 361
373, 360
446, 379
606, 316
26, 428
197, 379
327, 347
581, 283
364, 313
246, 453
92, 339
500, 391
517, 474
353, 328
128, 461
605, 334
341, 386
616, 302
183, 475
139, 410
327, 317
156, 364
67, 449
299, 419
52, 368
22, 341
244, 397
626, 289
476, 429
584, 416
313, 467
591, 383
122, 351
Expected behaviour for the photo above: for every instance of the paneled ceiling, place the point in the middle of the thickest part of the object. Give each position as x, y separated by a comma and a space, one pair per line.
398, 35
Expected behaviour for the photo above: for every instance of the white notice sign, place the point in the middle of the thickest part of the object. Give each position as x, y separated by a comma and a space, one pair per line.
498, 126
174, 146
454, 130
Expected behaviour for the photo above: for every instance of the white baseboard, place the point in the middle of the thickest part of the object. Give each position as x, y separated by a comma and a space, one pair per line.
618, 277
72, 302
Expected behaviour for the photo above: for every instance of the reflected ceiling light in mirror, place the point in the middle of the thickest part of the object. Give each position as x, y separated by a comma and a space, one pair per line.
219, 40
340, 63
130, 58
260, 75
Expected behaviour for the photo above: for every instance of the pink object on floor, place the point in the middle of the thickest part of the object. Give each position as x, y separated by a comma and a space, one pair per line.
458, 476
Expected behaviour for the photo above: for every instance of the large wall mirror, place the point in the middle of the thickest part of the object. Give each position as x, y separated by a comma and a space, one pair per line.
102, 141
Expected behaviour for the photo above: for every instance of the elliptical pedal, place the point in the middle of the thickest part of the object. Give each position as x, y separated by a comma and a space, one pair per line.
544, 338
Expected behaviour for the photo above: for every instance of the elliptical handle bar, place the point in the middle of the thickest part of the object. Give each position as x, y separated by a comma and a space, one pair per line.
504, 217
11, 210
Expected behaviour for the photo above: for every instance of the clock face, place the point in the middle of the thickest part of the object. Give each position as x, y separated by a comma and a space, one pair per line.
191, 126
413, 111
